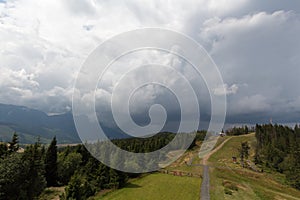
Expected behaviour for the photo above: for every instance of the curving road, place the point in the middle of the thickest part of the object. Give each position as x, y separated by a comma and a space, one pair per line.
204, 195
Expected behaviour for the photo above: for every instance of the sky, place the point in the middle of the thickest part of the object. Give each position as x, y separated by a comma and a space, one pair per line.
254, 43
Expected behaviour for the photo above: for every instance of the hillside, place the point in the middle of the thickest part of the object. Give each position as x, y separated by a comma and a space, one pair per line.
158, 186
228, 180
229, 177
31, 124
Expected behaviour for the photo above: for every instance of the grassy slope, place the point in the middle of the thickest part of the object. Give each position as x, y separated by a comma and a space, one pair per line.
52, 193
158, 186
250, 184
163, 186
192, 154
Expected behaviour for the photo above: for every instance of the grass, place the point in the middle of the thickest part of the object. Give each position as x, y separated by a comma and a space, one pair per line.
51, 193
234, 182
158, 186
189, 155
230, 149
228, 180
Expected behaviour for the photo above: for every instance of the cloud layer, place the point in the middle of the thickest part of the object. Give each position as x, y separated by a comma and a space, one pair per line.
255, 45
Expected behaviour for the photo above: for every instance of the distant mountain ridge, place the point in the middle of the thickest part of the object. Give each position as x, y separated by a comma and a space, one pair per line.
31, 124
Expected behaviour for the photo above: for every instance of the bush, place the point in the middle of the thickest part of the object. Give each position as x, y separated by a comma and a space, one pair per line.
79, 188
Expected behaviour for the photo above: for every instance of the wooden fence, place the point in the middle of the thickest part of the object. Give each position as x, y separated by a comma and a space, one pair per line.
181, 173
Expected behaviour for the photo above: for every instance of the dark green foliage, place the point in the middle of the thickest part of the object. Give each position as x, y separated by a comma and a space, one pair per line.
68, 163
3, 150
200, 135
91, 178
24, 175
244, 152
13, 169
278, 147
35, 176
291, 167
117, 158
14, 144
238, 131
79, 188
51, 164
21, 175
143, 145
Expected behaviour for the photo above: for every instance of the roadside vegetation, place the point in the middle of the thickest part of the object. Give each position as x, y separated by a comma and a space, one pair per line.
229, 179
158, 186
41, 171
261, 165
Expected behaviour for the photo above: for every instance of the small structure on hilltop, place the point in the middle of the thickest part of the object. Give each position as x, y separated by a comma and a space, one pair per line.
222, 133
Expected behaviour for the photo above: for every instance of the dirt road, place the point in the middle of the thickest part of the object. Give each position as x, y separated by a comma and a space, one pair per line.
205, 182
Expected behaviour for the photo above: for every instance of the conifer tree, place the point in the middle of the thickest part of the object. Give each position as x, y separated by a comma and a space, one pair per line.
51, 164
14, 144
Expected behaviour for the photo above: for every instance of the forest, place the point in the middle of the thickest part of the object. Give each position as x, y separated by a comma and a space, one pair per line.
234, 131
278, 148
24, 175
26, 172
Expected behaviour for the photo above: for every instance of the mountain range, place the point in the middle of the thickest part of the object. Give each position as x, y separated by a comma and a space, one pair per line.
31, 124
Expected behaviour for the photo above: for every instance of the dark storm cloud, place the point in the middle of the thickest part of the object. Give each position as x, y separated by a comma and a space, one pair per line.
254, 43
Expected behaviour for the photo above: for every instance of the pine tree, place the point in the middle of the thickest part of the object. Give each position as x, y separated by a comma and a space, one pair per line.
14, 144
246, 129
34, 180
51, 164
3, 149
244, 152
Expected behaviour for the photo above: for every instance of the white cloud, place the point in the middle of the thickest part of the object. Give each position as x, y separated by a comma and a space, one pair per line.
225, 90
43, 45
21, 78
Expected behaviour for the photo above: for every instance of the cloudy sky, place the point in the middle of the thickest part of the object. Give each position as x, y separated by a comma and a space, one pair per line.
254, 43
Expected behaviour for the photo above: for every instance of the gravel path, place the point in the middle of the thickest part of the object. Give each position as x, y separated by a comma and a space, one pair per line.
205, 184
204, 195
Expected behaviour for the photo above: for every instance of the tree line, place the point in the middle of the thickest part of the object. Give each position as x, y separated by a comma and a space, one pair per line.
234, 131
278, 147
24, 175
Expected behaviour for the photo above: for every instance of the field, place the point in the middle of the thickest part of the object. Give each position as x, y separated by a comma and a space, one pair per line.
158, 186
240, 183
228, 180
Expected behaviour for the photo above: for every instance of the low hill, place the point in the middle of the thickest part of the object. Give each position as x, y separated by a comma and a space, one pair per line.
228, 179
